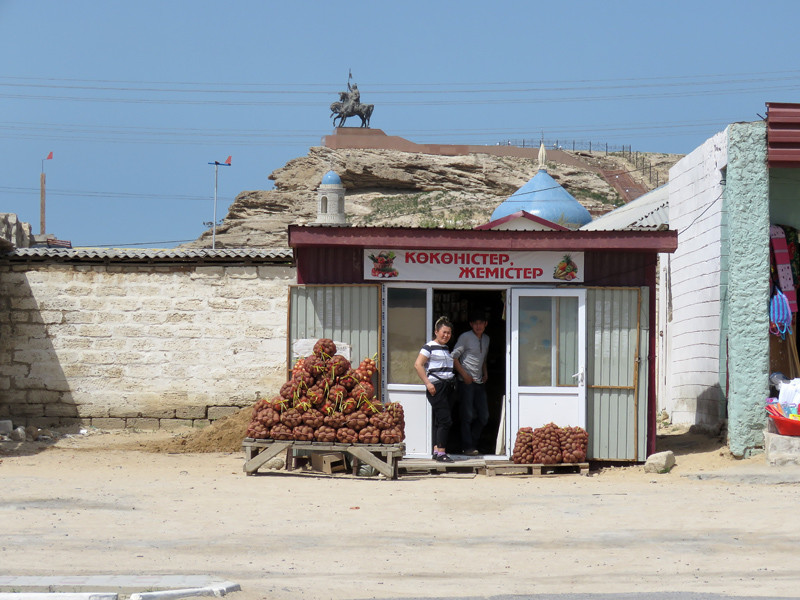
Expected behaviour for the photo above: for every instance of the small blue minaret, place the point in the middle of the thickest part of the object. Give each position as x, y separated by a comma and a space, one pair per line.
330, 201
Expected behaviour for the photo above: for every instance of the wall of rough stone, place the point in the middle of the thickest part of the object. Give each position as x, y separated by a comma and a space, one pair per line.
747, 199
14, 232
139, 346
692, 300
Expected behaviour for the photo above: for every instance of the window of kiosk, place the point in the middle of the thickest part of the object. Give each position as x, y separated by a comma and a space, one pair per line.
548, 333
405, 327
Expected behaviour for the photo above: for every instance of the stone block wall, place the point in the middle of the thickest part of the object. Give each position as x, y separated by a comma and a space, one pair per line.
692, 295
13, 232
139, 346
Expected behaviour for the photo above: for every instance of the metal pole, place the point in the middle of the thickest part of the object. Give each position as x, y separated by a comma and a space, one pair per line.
42, 226
216, 164
214, 224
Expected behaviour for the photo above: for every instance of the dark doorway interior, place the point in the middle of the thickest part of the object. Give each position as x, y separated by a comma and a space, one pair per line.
457, 305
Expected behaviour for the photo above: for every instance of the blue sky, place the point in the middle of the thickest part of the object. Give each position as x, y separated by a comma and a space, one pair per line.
136, 98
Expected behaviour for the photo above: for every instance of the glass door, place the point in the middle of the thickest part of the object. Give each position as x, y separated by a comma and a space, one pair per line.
406, 324
547, 358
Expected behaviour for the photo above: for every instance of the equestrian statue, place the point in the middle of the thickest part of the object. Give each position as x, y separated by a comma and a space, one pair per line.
349, 105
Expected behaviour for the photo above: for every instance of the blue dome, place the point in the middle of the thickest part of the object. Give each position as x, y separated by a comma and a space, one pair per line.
543, 197
331, 178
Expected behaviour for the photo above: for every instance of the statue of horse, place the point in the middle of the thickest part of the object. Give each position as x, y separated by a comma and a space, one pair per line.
339, 110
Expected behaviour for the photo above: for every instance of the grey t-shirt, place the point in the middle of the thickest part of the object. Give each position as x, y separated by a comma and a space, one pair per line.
471, 352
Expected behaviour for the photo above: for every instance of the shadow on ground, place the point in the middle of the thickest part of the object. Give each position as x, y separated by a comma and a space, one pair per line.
692, 440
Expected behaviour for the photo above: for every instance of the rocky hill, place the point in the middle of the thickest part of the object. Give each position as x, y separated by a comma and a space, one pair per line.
388, 187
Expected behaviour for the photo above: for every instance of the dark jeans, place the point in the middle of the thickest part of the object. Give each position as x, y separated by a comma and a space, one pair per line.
442, 419
474, 410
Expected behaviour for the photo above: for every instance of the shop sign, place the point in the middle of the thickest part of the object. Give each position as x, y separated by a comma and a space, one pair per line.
473, 266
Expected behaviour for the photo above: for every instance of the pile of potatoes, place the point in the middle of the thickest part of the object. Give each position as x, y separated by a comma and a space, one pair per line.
523, 447
550, 445
574, 444
327, 400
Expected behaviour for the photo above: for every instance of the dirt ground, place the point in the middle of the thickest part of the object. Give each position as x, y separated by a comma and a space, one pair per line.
158, 503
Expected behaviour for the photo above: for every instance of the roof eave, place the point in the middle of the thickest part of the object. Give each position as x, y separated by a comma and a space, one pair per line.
521, 214
149, 256
407, 237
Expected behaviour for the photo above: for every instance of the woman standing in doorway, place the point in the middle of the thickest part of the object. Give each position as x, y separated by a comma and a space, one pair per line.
434, 365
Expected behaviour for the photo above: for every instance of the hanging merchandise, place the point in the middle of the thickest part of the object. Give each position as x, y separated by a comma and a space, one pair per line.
780, 317
783, 264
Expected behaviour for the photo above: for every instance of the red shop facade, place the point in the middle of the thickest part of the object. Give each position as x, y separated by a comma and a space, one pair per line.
572, 322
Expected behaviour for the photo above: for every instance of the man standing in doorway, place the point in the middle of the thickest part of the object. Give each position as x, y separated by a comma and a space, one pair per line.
469, 357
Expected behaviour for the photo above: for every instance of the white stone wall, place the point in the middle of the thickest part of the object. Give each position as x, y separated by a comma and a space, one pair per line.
127, 345
13, 231
690, 300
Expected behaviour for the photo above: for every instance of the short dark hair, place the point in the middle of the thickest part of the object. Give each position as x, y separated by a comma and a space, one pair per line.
477, 315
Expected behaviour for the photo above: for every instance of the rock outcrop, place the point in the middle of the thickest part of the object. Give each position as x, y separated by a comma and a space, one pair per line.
388, 187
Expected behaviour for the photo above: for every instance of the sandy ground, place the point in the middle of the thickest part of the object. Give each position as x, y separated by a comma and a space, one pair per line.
102, 504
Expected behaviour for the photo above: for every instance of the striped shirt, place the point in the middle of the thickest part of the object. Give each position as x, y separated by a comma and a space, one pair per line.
440, 363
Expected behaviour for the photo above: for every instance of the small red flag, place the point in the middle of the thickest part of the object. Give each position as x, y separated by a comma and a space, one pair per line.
49, 156
227, 162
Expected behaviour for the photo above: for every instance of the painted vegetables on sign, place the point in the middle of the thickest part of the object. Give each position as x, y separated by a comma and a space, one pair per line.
383, 264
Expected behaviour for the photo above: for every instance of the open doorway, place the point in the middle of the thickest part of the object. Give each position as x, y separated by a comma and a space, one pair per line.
457, 305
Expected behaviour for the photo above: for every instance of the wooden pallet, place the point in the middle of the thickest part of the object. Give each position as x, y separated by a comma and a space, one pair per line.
383, 457
428, 465
536, 470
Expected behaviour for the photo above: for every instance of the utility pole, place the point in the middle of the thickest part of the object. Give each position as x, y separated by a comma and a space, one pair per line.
216, 164
42, 224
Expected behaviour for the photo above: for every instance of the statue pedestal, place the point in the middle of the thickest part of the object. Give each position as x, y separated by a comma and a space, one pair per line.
364, 138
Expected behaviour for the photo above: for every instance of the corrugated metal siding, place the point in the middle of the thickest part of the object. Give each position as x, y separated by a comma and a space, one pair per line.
783, 135
618, 268
618, 338
345, 313
330, 264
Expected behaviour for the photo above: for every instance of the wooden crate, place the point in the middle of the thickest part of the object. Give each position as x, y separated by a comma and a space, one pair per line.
536, 470
383, 457
328, 462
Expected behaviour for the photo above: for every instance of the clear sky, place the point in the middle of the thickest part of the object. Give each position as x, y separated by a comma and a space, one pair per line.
134, 99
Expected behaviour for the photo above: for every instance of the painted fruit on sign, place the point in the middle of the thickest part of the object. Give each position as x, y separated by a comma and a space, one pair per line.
566, 270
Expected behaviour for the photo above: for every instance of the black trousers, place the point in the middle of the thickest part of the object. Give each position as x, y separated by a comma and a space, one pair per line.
442, 417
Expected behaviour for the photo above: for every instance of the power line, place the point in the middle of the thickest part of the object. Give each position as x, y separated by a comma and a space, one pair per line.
538, 99
280, 87
705, 210
97, 194
134, 244
237, 94
171, 135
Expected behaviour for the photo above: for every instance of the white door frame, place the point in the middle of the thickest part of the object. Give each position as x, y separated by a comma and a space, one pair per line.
531, 406
412, 396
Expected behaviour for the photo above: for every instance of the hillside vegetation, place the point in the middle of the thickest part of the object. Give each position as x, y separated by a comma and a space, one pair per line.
386, 187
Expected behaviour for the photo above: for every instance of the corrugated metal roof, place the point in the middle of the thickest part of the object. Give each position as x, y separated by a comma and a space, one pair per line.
153, 254
649, 212
783, 134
